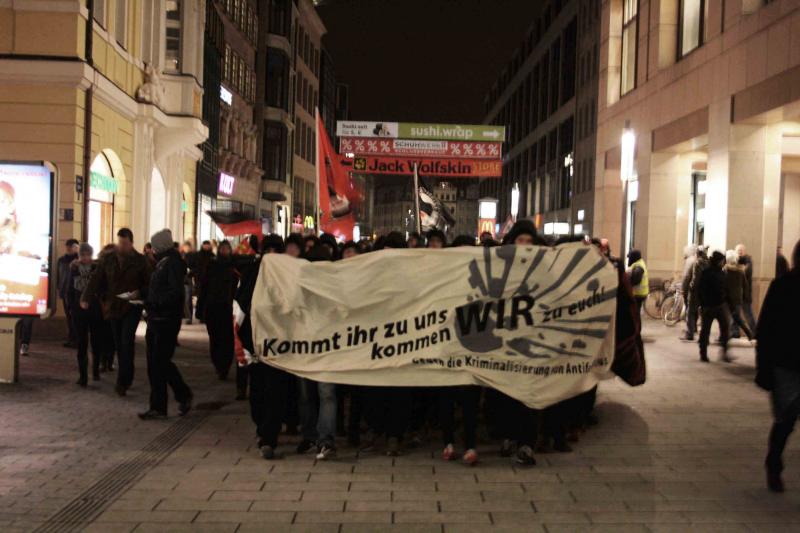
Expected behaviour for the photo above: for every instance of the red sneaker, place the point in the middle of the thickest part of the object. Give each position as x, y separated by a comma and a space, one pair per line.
449, 453
470, 457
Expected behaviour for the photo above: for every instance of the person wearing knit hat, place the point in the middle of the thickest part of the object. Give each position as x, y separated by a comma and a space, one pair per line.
164, 307
162, 241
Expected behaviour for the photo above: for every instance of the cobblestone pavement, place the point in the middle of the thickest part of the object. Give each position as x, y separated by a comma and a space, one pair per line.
682, 453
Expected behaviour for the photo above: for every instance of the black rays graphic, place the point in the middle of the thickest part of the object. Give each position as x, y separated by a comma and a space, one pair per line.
577, 258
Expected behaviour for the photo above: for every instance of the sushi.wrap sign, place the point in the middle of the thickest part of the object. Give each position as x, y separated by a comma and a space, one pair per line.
536, 323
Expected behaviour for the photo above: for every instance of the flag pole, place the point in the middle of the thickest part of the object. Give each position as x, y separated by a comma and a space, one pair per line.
318, 209
416, 200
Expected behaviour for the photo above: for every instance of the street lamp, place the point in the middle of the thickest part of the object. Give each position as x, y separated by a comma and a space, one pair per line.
515, 202
626, 174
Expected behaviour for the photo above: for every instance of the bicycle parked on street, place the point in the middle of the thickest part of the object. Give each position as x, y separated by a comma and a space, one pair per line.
673, 308
655, 300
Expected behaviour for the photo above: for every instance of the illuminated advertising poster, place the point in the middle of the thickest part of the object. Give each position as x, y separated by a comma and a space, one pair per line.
447, 168
412, 148
417, 131
26, 225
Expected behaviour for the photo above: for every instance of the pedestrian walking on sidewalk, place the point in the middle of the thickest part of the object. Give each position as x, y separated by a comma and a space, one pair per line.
712, 294
84, 321
63, 273
778, 364
746, 262
737, 287
121, 276
219, 287
164, 305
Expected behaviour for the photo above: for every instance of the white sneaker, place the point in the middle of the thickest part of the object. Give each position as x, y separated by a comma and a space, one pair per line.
23, 349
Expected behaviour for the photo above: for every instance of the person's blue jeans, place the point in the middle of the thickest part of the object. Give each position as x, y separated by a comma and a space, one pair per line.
318, 411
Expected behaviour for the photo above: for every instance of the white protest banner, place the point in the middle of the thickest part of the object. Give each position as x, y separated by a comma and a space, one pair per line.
536, 323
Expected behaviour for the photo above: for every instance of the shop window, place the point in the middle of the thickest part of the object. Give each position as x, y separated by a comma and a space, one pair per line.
275, 148
277, 88
697, 221
173, 37
279, 17
100, 216
693, 16
568, 67
630, 33
121, 23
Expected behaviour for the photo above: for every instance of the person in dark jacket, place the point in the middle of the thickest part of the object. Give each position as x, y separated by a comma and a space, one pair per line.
164, 305
388, 409
123, 272
80, 272
778, 363
746, 262
517, 424
219, 286
691, 285
736, 287
269, 386
714, 306
64, 265
204, 257
468, 397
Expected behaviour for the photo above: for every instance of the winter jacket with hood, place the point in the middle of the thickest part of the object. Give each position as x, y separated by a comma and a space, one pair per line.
736, 285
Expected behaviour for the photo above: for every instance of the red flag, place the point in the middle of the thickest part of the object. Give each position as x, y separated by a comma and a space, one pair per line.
336, 191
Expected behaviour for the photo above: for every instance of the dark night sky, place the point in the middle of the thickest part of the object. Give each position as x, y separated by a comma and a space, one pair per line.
422, 60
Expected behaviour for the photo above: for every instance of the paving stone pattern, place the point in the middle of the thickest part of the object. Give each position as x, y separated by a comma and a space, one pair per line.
682, 453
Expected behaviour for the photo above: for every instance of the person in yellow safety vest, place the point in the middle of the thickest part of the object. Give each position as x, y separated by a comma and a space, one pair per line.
637, 273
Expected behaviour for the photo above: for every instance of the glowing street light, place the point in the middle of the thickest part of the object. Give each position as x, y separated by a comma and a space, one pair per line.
515, 201
628, 148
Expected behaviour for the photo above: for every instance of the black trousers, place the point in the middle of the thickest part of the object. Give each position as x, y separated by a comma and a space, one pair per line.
708, 315
124, 331
269, 389
72, 332
219, 323
356, 411
26, 330
740, 321
162, 336
555, 419
389, 410
514, 420
468, 397
88, 325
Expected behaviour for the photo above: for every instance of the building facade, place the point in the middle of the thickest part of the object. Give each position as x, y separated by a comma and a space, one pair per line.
699, 113
109, 96
290, 59
208, 172
308, 32
546, 99
235, 183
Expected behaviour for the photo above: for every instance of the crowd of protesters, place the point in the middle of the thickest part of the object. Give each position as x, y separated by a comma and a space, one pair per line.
107, 294
105, 298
